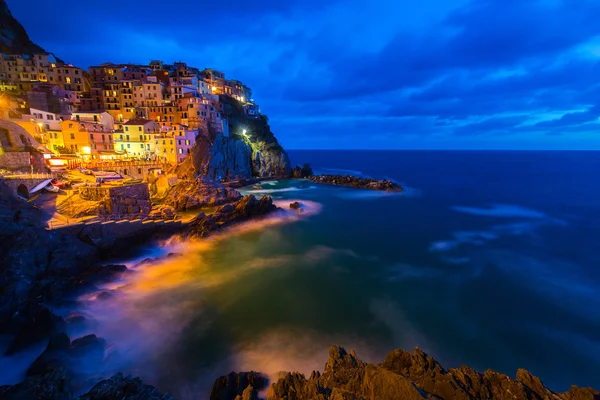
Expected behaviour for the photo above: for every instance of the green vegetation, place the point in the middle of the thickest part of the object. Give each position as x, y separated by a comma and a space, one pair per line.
64, 150
258, 132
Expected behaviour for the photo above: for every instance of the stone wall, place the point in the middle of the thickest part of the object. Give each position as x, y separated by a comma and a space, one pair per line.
15, 160
120, 202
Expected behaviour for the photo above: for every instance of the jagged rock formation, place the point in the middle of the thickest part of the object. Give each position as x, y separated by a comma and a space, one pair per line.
403, 375
193, 194
241, 386
125, 388
13, 37
248, 207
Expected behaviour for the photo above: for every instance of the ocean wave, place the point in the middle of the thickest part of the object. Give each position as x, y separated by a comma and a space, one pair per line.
270, 183
502, 211
340, 171
288, 189
365, 194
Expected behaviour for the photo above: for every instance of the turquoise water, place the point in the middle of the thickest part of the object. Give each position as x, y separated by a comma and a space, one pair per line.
488, 259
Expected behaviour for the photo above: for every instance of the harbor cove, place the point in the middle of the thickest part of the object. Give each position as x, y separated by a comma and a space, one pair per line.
299, 201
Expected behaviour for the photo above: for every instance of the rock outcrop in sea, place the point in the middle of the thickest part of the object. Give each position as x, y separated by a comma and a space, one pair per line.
359, 183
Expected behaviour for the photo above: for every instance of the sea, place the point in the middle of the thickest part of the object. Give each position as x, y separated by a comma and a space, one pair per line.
487, 258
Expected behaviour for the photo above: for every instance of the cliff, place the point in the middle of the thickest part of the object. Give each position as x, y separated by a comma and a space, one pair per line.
256, 153
13, 37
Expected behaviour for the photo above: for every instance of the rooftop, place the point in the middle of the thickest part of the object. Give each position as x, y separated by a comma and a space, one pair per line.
137, 121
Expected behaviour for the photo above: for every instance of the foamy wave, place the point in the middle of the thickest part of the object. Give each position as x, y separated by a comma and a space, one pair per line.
501, 210
340, 171
366, 194
288, 189
270, 183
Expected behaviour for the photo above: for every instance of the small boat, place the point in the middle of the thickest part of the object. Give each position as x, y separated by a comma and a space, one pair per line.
41, 186
58, 183
108, 178
256, 187
51, 188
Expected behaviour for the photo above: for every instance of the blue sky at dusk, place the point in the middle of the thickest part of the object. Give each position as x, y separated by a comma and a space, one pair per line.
383, 74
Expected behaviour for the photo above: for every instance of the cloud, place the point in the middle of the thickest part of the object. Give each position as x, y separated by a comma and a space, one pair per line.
491, 125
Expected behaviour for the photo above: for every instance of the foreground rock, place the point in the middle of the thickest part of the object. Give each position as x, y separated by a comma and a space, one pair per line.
33, 260
355, 182
124, 387
241, 386
196, 193
248, 207
403, 375
56, 372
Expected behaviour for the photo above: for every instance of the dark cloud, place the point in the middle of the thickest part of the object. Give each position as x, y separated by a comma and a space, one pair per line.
572, 119
491, 125
365, 73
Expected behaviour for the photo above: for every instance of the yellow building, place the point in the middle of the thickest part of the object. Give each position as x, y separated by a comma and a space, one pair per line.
166, 148
137, 138
76, 137
54, 141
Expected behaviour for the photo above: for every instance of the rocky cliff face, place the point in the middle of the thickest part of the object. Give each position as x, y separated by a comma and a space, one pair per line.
13, 37
402, 375
229, 158
232, 158
269, 160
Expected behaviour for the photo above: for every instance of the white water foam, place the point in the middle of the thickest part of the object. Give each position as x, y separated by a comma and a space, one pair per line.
288, 189
501, 211
340, 171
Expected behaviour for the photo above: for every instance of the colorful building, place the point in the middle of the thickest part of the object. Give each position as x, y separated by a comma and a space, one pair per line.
137, 138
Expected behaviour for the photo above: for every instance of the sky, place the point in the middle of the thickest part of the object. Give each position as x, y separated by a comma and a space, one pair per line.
366, 74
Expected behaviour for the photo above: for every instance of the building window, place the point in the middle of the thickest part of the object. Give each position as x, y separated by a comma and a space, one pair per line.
128, 145
91, 136
72, 136
126, 129
180, 151
139, 128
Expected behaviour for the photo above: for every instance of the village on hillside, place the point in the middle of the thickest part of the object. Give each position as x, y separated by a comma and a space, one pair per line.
115, 112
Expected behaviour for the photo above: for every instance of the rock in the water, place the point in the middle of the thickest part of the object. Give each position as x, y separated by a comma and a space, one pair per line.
359, 183
120, 387
243, 385
248, 207
295, 205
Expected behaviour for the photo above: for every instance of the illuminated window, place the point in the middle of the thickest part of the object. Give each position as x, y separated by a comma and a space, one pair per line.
67, 79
